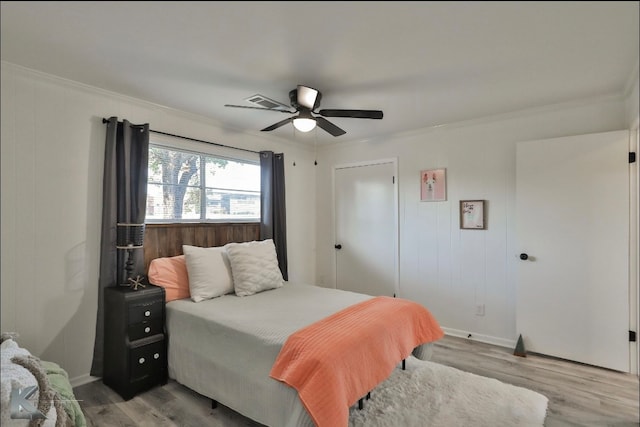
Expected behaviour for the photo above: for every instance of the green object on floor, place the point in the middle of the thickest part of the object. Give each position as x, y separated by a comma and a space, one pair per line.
59, 380
520, 351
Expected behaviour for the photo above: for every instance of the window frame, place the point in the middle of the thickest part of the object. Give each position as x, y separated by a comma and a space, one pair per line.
203, 150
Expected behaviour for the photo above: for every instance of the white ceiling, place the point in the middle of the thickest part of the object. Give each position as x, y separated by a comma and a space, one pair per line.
423, 63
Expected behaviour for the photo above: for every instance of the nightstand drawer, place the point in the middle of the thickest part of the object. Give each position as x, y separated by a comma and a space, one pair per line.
147, 360
146, 329
145, 310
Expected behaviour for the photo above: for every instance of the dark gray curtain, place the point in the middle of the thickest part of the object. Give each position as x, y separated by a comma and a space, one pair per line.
273, 215
124, 200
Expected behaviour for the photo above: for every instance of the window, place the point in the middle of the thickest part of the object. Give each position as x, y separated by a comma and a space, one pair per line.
191, 186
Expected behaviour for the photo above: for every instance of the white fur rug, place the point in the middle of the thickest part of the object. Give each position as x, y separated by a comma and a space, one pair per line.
434, 395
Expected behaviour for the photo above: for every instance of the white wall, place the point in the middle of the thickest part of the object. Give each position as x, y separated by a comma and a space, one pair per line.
52, 150
447, 269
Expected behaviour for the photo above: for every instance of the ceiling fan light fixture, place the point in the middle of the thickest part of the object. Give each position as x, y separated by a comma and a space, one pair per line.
304, 124
307, 96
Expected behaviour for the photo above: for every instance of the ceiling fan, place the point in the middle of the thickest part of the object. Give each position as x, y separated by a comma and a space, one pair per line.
306, 100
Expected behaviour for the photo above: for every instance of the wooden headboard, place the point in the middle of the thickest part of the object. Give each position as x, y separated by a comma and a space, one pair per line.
165, 240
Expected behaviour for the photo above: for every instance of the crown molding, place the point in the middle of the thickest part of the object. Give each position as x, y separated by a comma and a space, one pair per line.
156, 107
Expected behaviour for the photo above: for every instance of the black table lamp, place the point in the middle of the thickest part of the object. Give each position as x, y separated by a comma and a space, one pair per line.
130, 237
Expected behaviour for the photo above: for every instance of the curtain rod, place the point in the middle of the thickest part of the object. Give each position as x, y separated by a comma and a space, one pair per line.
193, 139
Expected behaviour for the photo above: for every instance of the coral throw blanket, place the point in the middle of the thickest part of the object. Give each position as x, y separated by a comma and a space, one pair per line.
334, 362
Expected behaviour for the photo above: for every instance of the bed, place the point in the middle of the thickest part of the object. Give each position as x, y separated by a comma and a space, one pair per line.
225, 347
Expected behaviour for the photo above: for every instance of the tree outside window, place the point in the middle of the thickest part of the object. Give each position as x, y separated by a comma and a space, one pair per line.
189, 186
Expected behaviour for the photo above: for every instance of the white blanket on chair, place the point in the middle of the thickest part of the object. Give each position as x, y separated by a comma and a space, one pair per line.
14, 376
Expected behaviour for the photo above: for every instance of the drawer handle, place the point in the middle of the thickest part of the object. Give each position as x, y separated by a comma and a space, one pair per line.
147, 329
156, 356
141, 360
147, 313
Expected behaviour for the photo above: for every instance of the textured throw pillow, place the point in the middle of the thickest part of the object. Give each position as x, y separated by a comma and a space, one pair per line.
254, 266
209, 272
171, 274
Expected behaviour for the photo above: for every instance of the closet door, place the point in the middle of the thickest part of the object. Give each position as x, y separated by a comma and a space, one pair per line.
573, 248
366, 233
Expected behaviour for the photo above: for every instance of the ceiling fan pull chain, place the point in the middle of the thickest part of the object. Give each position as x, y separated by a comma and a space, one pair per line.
315, 148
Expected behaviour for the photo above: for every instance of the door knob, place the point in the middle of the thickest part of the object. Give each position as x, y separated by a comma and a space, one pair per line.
338, 246
524, 256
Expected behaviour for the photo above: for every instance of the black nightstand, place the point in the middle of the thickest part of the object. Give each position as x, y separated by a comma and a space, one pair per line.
135, 347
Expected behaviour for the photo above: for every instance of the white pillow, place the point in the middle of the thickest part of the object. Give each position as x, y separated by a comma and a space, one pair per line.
254, 266
209, 272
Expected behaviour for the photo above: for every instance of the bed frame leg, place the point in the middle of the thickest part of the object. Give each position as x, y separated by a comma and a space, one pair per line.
214, 404
361, 400
404, 365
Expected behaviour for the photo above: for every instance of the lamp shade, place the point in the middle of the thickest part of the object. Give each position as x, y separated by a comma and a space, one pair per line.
304, 124
129, 236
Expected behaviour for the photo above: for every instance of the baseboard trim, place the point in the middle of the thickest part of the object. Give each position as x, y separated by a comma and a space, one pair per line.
82, 380
488, 339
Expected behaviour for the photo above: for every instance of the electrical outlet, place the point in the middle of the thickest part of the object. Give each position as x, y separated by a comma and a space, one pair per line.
479, 309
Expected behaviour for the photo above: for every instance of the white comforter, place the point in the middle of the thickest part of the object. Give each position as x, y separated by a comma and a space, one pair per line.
224, 348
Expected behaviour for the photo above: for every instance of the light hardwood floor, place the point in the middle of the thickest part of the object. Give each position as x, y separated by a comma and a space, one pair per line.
579, 395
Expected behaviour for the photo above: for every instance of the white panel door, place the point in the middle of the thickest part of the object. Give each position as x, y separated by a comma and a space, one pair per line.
366, 232
573, 223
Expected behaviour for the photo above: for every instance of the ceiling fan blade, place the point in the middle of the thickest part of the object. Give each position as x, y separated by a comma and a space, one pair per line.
358, 114
329, 127
277, 125
307, 97
258, 108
